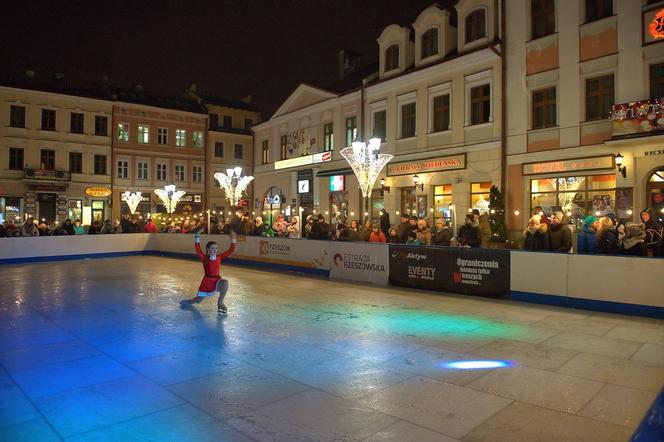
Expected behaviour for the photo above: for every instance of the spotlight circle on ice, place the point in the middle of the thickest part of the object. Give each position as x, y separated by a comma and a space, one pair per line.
476, 364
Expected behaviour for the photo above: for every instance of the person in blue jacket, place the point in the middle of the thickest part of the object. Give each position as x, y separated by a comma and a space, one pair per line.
587, 236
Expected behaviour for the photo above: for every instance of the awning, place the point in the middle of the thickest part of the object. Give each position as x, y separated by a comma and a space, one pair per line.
344, 171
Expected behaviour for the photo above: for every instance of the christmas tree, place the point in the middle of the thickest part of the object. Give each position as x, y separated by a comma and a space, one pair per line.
497, 215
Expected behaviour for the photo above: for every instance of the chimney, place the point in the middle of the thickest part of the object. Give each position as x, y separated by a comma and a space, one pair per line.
59, 80
247, 99
349, 61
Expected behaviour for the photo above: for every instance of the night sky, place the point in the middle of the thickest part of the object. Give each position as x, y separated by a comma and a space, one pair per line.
229, 48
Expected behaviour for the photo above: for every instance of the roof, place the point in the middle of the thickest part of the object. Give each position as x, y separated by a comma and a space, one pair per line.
235, 104
176, 103
354, 79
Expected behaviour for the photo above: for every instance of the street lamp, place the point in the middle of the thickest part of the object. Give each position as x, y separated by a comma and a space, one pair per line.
170, 197
619, 164
383, 187
233, 183
418, 185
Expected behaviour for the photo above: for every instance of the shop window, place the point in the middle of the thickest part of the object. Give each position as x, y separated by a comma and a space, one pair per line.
76, 123
657, 80
338, 207
48, 119
598, 9
10, 210
392, 57
143, 134
430, 43
98, 211
351, 130
599, 97
328, 137
75, 162
408, 119
544, 108
123, 132
162, 135
655, 191
101, 125
543, 15
265, 148
380, 125
441, 113
75, 209
479, 196
413, 203
47, 159
16, 116
442, 200
100, 165
16, 158
480, 104
476, 25
284, 147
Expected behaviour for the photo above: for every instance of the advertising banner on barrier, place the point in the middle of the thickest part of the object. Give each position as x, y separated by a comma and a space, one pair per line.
364, 262
484, 272
286, 251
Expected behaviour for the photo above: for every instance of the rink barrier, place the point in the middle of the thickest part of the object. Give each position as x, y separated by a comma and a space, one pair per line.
652, 425
625, 285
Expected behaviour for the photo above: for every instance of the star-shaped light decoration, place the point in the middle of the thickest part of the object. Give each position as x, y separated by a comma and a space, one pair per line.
366, 162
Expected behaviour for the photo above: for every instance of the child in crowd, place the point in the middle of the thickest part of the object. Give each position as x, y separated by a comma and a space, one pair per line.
212, 282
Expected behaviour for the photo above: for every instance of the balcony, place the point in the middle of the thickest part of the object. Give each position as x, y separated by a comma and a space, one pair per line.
46, 175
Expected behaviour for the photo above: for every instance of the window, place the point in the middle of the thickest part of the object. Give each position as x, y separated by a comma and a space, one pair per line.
228, 121
143, 134
48, 119
123, 169
476, 25
239, 151
392, 57
218, 149
599, 97
15, 158
161, 172
77, 123
328, 137
248, 122
179, 172
543, 14
16, 116
441, 113
544, 108
657, 80
162, 135
197, 140
75, 162
442, 199
123, 132
180, 138
142, 170
430, 43
408, 120
480, 104
47, 159
479, 195
101, 125
266, 152
598, 9
351, 130
380, 125
197, 174
100, 165
214, 120
284, 147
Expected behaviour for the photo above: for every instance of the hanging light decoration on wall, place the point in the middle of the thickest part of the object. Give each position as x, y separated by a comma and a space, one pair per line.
170, 197
132, 199
366, 162
233, 184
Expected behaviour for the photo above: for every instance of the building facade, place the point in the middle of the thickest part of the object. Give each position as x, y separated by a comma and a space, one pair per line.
55, 152
433, 100
585, 83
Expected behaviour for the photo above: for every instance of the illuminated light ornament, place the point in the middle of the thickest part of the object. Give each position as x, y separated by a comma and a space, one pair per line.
170, 197
656, 26
476, 365
132, 199
366, 162
233, 184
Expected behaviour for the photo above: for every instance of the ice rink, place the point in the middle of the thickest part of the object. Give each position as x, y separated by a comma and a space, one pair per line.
101, 350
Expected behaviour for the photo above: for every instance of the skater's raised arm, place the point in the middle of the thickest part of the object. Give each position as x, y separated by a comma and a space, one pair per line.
197, 245
230, 250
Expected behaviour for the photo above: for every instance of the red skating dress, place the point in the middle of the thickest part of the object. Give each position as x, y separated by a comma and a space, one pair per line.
208, 285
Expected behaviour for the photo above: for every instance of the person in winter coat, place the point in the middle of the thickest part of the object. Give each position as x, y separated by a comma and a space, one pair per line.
654, 230
293, 229
485, 227
587, 236
384, 221
95, 228
537, 235
321, 229
560, 239
377, 235
443, 234
247, 225
280, 226
403, 229
393, 236
260, 227
150, 226
634, 240
79, 229
423, 232
608, 240
68, 227
29, 228
412, 238
366, 231
537, 210
469, 234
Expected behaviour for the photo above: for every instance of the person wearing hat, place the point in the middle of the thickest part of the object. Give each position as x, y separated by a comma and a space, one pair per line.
403, 229
469, 234
537, 235
560, 239
634, 243
608, 239
587, 236
485, 227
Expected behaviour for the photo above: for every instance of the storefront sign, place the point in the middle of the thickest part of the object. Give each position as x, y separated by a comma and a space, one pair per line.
656, 26
191, 198
484, 272
48, 175
654, 152
564, 166
452, 162
337, 183
360, 262
145, 197
98, 192
638, 117
303, 161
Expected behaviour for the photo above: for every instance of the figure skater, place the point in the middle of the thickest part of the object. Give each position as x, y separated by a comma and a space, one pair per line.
212, 282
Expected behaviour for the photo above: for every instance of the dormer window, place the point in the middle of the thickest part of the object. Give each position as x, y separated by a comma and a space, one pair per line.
476, 25
392, 57
430, 43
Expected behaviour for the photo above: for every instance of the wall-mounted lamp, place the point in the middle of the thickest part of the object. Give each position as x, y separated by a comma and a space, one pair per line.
418, 185
619, 164
383, 187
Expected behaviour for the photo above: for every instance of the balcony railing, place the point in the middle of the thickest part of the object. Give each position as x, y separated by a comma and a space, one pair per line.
46, 175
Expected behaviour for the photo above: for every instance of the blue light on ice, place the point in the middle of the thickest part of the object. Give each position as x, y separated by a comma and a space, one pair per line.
476, 365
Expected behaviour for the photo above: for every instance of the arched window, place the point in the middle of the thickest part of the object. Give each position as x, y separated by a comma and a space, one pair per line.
430, 43
476, 25
392, 57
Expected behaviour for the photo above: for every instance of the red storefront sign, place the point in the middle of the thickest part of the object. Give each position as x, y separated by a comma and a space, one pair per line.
565, 166
452, 162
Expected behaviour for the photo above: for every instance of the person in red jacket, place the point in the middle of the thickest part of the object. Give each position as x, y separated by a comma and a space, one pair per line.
212, 282
376, 234
150, 227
